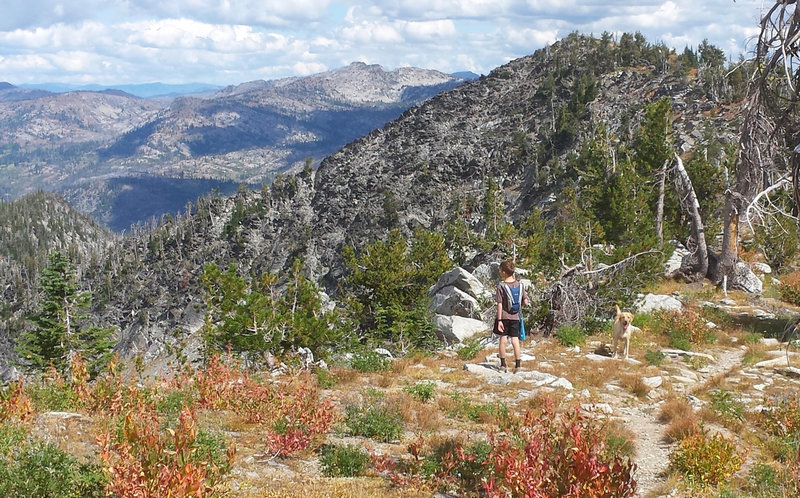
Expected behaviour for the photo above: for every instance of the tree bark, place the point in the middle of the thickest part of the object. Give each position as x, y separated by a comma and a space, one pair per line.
660, 206
694, 266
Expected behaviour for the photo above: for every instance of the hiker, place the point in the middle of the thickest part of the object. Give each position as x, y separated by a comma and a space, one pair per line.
510, 296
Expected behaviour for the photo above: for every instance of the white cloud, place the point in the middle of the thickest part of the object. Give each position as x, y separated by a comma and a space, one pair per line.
306, 68
428, 30
255, 12
366, 32
230, 41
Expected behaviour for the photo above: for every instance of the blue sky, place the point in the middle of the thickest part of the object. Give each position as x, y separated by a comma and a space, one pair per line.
225, 42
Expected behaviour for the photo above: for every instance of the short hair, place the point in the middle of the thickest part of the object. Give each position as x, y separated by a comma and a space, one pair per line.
507, 267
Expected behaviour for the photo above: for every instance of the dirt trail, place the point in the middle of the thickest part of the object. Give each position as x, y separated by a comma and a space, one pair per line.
642, 419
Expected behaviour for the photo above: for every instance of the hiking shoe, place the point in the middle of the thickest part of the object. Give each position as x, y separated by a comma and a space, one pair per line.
517, 369
504, 369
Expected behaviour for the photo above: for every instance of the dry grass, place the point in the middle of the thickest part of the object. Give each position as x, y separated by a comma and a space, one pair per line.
635, 384
318, 488
418, 416
669, 487
537, 402
715, 382
755, 353
680, 417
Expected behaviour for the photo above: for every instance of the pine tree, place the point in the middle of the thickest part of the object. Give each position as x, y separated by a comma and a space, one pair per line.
59, 333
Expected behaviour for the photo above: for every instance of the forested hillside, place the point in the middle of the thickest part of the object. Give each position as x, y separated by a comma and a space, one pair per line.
31, 228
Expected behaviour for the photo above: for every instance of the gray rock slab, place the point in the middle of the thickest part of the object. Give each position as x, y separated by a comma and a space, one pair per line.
455, 329
453, 301
775, 362
745, 279
674, 353
657, 302
653, 382
461, 279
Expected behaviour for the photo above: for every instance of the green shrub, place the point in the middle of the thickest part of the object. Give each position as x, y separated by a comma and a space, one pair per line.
343, 461
171, 403
683, 329
470, 349
789, 288
369, 361
778, 239
11, 437
424, 391
462, 408
704, 460
765, 481
655, 358
726, 405
619, 445
719, 316
751, 338
570, 335
52, 397
443, 460
644, 320
378, 421
42, 470
325, 379
212, 447
780, 418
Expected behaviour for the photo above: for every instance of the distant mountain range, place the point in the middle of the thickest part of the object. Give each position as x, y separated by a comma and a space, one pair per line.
84, 144
144, 90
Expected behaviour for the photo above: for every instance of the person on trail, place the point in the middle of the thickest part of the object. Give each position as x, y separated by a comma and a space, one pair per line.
510, 296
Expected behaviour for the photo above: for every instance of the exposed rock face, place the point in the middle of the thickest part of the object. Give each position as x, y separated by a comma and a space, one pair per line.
673, 264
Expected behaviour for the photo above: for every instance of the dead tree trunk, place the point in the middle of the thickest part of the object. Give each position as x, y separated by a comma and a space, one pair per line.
660, 207
756, 152
694, 266
796, 183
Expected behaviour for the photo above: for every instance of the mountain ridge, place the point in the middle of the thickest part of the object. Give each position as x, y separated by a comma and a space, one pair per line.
246, 134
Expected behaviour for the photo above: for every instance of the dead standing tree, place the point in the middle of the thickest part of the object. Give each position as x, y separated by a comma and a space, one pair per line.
769, 122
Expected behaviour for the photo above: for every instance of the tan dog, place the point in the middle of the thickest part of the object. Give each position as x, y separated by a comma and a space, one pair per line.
622, 330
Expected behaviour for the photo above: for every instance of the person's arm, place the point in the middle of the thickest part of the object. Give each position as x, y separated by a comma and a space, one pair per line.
525, 300
499, 298
500, 326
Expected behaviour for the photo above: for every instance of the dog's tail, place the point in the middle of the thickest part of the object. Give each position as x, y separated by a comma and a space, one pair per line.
618, 310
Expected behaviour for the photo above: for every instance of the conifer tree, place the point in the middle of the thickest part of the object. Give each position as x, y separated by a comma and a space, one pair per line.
59, 331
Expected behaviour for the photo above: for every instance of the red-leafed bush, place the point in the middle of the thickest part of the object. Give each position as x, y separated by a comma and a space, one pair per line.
144, 460
534, 455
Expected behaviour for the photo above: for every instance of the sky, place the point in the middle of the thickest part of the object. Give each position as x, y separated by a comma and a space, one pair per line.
225, 42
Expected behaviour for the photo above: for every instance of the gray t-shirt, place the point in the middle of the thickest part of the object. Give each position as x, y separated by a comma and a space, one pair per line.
499, 296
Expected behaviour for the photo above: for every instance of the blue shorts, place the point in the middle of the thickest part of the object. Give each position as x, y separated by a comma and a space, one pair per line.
510, 328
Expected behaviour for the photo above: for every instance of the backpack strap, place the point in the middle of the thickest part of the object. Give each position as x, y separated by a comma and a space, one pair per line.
510, 295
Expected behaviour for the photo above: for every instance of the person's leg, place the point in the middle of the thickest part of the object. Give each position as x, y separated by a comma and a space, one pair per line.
502, 352
517, 353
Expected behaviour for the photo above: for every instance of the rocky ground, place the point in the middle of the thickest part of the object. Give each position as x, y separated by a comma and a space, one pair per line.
629, 395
